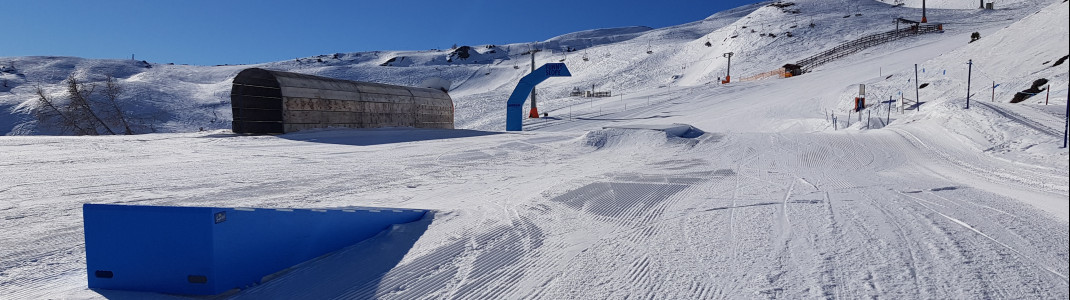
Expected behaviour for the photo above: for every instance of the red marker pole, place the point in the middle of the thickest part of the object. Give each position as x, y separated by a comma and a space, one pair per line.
1048, 96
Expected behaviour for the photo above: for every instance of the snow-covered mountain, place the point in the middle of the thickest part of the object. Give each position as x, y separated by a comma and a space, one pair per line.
177, 98
773, 188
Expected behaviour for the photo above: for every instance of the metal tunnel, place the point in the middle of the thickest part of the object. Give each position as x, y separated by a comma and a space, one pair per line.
275, 102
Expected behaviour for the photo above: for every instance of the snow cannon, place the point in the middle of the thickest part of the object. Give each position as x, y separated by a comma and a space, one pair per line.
210, 250
515, 105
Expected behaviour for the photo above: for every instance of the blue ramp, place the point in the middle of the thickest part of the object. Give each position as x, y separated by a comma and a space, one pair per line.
209, 250
514, 111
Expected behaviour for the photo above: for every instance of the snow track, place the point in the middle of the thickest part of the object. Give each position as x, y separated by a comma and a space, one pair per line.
632, 213
1023, 120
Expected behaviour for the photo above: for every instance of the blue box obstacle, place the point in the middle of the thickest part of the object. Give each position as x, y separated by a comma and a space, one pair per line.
209, 250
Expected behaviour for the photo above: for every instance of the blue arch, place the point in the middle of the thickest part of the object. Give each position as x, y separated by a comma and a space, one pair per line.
514, 112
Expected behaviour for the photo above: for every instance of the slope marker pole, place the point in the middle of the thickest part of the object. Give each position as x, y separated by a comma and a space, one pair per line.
889, 110
1066, 118
917, 89
968, 78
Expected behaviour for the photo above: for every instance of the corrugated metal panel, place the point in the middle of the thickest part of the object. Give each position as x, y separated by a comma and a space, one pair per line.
266, 101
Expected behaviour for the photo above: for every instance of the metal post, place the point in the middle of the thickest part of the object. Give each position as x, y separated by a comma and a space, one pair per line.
982, 4
534, 109
889, 110
917, 88
869, 117
728, 71
1048, 96
993, 91
848, 118
834, 125
1066, 118
923, 19
969, 76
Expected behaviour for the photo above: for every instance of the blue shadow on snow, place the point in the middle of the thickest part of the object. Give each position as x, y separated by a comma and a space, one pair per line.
380, 136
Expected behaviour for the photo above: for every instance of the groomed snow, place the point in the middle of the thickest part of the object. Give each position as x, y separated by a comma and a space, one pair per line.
764, 198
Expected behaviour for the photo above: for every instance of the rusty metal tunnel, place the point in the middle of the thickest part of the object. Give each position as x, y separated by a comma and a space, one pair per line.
276, 102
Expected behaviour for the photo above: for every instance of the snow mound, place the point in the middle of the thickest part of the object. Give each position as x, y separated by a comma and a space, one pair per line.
643, 137
676, 130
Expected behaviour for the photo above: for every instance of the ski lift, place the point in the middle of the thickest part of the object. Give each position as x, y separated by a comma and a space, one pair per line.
585, 50
515, 66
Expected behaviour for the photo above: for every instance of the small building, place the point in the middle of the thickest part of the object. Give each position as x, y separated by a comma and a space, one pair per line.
275, 102
792, 70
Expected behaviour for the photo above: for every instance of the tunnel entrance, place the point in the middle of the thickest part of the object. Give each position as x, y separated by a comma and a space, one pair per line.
256, 102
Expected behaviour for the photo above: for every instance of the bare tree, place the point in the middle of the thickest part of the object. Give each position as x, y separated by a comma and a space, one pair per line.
87, 110
112, 91
80, 94
48, 108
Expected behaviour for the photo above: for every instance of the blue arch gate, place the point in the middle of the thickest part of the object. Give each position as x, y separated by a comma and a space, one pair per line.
514, 113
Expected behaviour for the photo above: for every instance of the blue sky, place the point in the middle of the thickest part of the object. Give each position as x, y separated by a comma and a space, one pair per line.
240, 32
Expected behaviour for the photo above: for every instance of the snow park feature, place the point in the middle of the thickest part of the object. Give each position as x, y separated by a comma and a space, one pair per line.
266, 101
515, 106
210, 250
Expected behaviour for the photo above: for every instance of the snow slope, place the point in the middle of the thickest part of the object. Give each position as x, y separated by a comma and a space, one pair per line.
768, 198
